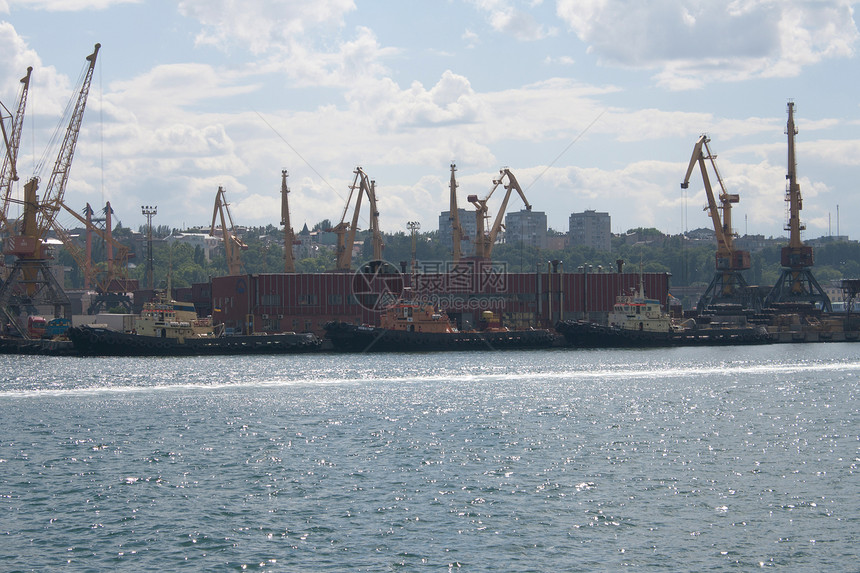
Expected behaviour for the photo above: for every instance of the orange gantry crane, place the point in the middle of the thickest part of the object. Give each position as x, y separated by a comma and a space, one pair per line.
484, 240
233, 245
796, 285
31, 282
345, 231
110, 279
728, 284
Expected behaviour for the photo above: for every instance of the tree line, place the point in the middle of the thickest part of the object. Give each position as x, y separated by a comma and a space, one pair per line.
690, 263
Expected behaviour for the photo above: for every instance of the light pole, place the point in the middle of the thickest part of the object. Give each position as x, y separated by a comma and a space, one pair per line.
413, 226
149, 211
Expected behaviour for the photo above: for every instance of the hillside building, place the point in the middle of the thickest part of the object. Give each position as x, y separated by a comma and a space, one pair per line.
590, 229
527, 228
470, 228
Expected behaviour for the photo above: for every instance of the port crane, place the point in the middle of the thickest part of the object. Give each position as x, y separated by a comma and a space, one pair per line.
484, 240
728, 284
796, 283
31, 281
345, 231
289, 234
457, 232
12, 140
110, 279
233, 245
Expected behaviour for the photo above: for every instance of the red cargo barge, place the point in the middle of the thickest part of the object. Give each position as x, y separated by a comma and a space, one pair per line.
306, 302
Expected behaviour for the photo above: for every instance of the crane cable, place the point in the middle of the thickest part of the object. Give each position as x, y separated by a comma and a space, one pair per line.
324, 180
61, 124
563, 151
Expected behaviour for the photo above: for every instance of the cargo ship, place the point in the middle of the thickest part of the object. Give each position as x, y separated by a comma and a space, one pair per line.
409, 325
172, 328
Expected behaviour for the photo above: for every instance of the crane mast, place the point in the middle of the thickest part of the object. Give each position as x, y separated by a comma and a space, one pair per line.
484, 240
799, 256
728, 284
289, 235
796, 283
232, 244
12, 140
457, 234
345, 231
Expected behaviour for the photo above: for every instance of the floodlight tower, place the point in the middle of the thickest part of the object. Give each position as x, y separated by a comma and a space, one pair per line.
413, 226
149, 211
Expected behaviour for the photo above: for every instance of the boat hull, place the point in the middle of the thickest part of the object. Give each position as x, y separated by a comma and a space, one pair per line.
38, 347
582, 334
96, 341
362, 338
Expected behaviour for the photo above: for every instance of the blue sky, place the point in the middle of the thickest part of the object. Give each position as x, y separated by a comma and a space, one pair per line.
592, 104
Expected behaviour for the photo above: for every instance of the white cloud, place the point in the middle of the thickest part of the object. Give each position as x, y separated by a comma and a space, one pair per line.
834, 152
170, 87
450, 100
263, 24
693, 43
471, 38
510, 21
54, 89
65, 5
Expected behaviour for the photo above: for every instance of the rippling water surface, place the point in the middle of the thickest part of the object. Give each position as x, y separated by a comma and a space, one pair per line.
683, 459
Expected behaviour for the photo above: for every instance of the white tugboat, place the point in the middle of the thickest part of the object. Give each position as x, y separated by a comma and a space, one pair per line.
639, 321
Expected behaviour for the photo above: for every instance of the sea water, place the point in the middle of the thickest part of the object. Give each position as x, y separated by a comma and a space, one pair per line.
577, 460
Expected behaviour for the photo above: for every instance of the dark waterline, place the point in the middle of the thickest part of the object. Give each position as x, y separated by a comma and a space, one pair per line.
676, 459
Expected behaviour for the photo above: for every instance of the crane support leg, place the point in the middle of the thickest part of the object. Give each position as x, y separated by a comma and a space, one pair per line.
46, 291
798, 286
727, 287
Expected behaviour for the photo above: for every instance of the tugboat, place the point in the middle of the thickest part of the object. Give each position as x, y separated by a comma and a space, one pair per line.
172, 328
410, 325
637, 321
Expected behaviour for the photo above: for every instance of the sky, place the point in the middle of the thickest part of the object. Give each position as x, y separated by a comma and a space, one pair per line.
592, 104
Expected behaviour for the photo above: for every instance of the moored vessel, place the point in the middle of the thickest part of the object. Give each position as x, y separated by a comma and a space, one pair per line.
410, 325
172, 328
637, 321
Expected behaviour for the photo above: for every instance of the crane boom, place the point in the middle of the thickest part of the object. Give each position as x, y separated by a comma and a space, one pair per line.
727, 257
232, 244
484, 241
361, 185
9, 173
53, 194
